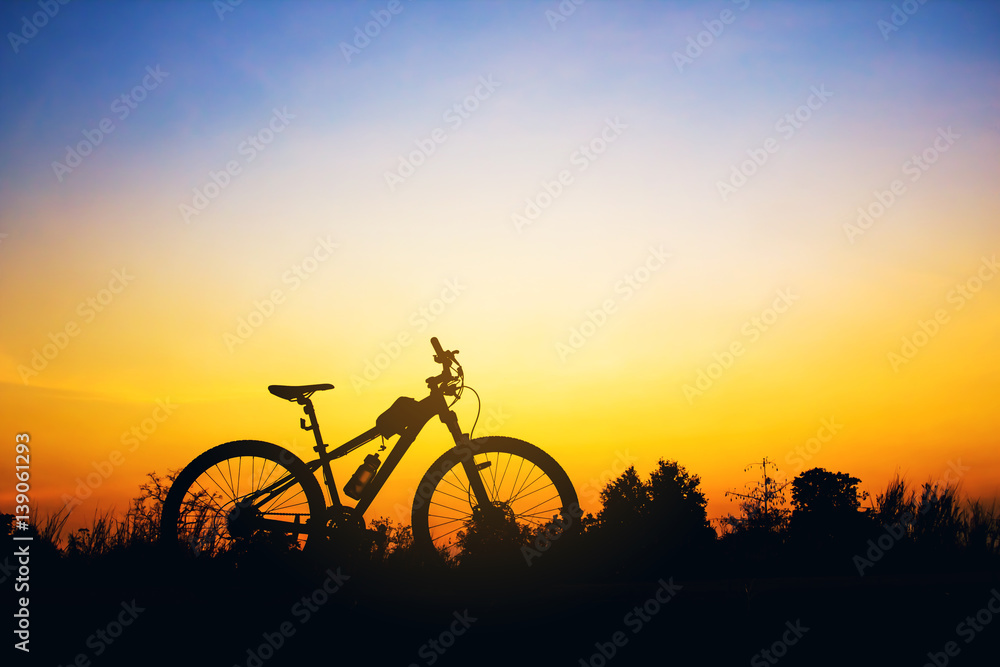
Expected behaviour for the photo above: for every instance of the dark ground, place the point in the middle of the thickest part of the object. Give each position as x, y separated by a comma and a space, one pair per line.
200, 612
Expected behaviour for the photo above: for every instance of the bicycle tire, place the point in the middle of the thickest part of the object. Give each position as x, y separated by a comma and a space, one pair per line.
209, 529
429, 531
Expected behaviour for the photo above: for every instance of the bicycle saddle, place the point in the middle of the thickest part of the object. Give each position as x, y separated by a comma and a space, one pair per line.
296, 392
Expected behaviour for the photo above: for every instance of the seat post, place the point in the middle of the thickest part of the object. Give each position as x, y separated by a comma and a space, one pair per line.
320, 447
313, 425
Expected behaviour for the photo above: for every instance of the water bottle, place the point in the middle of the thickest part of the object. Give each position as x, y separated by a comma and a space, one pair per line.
362, 476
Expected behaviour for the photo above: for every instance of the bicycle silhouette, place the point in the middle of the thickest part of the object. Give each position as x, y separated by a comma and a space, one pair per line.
490, 488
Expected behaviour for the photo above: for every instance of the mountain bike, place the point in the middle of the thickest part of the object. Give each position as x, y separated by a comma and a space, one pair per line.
481, 489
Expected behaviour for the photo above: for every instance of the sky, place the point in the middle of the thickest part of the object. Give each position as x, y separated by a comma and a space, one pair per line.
710, 232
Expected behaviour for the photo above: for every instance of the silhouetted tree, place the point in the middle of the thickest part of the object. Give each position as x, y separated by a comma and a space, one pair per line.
762, 506
827, 509
625, 503
643, 523
677, 506
821, 492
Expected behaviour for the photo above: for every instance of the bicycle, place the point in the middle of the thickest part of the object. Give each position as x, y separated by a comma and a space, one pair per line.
249, 491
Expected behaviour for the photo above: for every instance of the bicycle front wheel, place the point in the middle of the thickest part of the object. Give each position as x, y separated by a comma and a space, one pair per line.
239, 495
529, 493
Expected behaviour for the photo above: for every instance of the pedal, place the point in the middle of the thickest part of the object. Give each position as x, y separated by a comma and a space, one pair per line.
484, 465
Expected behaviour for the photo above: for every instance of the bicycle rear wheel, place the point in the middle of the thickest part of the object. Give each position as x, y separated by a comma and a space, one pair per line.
529, 494
239, 495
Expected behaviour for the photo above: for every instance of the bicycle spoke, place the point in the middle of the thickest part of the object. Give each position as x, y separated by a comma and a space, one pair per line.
273, 505
438, 516
459, 486
541, 488
286, 504
458, 498
500, 478
547, 500
547, 514
527, 485
222, 474
450, 532
526, 478
211, 496
256, 483
453, 509
518, 474
263, 484
493, 476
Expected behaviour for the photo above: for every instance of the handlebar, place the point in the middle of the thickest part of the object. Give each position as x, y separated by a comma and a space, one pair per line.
446, 359
441, 355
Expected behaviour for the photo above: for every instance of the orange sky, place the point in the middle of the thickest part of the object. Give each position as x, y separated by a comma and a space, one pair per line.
643, 311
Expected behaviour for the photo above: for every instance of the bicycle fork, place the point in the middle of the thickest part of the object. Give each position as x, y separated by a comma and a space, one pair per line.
483, 500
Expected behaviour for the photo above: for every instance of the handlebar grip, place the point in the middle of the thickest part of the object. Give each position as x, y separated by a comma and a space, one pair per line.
438, 350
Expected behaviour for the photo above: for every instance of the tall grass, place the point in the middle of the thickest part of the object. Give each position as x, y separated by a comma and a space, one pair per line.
937, 521
937, 518
108, 532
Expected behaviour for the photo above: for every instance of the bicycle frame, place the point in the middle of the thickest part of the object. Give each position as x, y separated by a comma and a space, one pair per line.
434, 404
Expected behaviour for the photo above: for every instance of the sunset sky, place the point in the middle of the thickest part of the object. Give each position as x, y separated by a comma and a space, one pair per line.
706, 231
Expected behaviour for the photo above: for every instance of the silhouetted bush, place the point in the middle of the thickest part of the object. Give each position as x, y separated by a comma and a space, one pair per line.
826, 508
647, 526
644, 528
